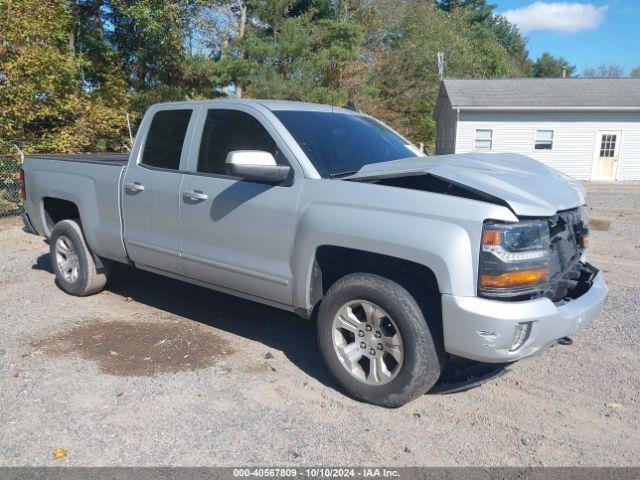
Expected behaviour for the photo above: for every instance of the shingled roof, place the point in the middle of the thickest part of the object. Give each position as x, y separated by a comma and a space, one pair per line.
543, 93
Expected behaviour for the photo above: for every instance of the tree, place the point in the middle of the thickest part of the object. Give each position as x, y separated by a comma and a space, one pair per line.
294, 50
222, 26
46, 101
548, 66
604, 70
401, 84
154, 44
71, 69
635, 72
509, 37
480, 15
480, 9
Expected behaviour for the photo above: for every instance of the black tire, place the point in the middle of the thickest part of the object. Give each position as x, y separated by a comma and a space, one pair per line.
89, 279
422, 360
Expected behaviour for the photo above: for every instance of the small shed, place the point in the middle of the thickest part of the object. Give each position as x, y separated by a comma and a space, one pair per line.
587, 128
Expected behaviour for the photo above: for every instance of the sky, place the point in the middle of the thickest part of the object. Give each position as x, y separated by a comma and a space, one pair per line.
585, 32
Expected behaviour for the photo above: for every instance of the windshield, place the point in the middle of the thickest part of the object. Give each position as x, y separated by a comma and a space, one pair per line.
342, 143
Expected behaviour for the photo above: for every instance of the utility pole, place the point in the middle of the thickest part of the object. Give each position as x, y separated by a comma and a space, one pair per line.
441, 66
129, 128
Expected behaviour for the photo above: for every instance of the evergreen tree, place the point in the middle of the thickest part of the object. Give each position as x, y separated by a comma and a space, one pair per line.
548, 66
482, 11
480, 15
402, 84
151, 39
293, 49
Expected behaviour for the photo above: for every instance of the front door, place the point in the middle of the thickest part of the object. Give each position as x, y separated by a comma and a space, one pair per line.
150, 196
606, 156
238, 234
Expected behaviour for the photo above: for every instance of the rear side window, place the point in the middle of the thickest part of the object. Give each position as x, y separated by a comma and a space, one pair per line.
165, 138
228, 130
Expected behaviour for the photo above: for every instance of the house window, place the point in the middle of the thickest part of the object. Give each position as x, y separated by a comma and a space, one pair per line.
484, 139
608, 146
544, 140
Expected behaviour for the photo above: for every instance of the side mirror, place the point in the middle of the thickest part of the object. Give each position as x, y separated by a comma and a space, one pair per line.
256, 165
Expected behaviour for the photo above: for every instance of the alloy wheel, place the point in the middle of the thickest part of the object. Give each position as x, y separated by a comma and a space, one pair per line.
367, 342
67, 259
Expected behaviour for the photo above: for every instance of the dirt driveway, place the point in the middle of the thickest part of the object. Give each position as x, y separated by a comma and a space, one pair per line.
156, 372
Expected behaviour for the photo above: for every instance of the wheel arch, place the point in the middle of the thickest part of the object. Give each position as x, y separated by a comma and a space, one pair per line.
442, 247
332, 262
57, 205
56, 209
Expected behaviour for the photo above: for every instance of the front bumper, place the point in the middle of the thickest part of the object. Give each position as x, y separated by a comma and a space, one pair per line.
484, 330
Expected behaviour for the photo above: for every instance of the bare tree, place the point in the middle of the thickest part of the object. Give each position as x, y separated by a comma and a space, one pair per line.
224, 24
604, 70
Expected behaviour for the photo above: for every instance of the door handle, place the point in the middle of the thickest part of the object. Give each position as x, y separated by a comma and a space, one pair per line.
195, 195
134, 187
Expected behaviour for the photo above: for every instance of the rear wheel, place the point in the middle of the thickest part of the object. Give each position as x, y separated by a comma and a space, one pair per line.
376, 341
73, 263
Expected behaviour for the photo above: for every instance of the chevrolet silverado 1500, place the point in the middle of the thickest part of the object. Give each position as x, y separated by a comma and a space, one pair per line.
404, 260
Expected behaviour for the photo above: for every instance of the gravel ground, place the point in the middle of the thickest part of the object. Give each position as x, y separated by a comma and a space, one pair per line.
156, 372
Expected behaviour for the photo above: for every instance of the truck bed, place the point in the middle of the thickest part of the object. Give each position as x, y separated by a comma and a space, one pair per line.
118, 159
91, 183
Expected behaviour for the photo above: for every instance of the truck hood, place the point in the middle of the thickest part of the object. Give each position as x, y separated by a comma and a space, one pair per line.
529, 187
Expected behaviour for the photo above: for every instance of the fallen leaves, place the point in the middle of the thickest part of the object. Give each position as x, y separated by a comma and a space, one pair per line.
60, 453
34, 353
613, 405
112, 353
15, 375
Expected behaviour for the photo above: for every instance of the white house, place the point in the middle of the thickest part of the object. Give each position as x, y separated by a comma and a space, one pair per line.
587, 128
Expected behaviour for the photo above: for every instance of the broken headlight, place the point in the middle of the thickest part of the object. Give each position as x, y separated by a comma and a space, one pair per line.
514, 259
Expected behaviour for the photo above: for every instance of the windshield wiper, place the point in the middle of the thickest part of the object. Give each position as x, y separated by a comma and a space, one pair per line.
342, 174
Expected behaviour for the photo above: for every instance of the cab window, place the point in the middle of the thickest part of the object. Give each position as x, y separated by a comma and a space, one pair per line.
163, 146
228, 130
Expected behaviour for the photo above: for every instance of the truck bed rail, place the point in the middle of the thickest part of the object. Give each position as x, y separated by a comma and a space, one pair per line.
118, 159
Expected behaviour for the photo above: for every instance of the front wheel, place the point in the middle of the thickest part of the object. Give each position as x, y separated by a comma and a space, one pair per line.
376, 341
72, 261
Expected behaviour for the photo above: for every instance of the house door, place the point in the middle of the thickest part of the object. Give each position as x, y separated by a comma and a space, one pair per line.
606, 156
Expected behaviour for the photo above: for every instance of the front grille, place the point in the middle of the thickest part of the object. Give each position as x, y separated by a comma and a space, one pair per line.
568, 230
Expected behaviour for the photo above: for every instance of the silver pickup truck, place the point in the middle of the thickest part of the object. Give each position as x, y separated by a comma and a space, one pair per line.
404, 260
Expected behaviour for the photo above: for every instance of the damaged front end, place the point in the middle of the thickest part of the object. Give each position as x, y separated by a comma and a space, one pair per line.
542, 257
435, 184
569, 276
535, 258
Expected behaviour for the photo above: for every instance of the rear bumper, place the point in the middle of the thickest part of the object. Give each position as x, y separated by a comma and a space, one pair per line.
484, 330
28, 226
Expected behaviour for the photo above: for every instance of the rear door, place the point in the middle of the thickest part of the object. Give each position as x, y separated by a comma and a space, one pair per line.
238, 234
151, 188
606, 156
